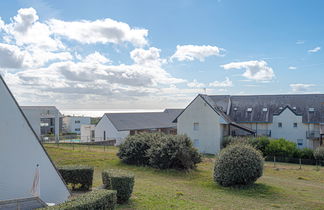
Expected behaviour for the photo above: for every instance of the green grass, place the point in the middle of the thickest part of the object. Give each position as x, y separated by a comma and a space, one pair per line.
285, 186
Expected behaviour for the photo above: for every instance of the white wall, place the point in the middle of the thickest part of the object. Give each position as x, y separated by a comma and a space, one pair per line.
210, 131
20, 152
71, 126
111, 132
86, 133
288, 131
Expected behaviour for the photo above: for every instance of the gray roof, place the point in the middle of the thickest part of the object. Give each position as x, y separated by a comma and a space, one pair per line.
144, 120
299, 103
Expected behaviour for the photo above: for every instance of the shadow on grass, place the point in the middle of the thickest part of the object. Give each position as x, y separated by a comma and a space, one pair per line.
256, 190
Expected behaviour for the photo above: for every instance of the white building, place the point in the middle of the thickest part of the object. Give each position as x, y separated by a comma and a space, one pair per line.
20, 153
298, 118
87, 133
45, 120
117, 126
72, 124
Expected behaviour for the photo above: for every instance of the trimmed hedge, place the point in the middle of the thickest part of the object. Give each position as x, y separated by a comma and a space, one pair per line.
238, 164
98, 199
121, 181
159, 151
173, 151
80, 177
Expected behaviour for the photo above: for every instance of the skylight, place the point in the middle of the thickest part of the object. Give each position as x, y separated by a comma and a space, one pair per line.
265, 109
249, 109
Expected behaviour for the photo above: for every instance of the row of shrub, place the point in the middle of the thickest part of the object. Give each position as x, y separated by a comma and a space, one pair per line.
272, 147
159, 150
98, 199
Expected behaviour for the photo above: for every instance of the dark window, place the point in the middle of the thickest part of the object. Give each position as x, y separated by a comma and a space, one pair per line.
280, 125
196, 126
77, 129
77, 121
104, 135
295, 125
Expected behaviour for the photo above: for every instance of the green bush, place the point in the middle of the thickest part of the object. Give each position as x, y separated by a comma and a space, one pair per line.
229, 140
319, 153
238, 164
281, 147
260, 143
133, 150
98, 199
160, 151
121, 181
304, 153
173, 151
80, 177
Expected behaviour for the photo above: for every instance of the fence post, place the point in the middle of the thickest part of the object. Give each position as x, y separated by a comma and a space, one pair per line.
300, 166
274, 161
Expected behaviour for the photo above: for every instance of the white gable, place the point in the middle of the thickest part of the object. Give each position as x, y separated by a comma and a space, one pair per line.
20, 152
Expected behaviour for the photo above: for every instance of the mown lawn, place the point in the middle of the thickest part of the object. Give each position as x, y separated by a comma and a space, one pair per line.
285, 186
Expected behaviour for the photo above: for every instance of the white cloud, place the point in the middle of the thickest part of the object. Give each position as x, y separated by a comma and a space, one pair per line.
10, 56
195, 84
301, 87
255, 70
99, 31
192, 52
150, 57
226, 83
96, 57
292, 67
314, 50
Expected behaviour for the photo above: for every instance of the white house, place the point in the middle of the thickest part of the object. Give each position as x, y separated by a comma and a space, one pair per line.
87, 133
297, 117
72, 124
20, 153
44, 120
117, 126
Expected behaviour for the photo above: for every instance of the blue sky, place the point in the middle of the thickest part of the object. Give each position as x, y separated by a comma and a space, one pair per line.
157, 54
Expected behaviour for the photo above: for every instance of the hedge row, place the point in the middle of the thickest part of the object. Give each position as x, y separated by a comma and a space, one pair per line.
98, 199
159, 150
80, 177
119, 180
272, 147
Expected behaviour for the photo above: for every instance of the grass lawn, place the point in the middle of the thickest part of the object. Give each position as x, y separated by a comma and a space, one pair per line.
285, 186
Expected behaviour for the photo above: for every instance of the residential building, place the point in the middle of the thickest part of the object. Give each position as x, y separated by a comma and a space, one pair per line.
45, 120
72, 124
22, 158
88, 133
297, 117
117, 126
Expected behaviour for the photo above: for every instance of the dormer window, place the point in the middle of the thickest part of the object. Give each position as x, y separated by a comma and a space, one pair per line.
281, 108
249, 109
235, 108
311, 109
265, 109
294, 108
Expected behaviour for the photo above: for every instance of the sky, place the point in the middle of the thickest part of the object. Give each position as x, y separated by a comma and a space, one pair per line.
145, 54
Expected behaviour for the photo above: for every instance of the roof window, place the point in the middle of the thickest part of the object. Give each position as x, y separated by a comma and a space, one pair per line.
311, 109
249, 109
235, 108
265, 109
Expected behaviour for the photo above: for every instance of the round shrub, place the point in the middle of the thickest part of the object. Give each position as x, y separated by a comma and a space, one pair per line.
319, 153
133, 150
79, 177
121, 181
173, 151
238, 164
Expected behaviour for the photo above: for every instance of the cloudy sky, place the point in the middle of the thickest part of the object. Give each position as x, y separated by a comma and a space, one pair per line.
148, 54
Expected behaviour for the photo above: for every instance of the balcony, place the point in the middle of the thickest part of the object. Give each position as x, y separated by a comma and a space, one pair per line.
312, 134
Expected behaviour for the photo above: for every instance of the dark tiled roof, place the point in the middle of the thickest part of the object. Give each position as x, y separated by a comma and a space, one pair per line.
299, 103
144, 120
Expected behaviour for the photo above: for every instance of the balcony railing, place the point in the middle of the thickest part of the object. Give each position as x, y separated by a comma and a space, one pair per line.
313, 134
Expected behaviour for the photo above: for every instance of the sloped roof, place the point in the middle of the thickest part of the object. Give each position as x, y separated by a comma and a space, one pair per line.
299, 103
144, 120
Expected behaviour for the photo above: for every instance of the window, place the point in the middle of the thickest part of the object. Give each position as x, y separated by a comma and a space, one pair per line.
295, 125
235, 108
104, 136
279, 125
196, 143
300, 143
265, 109
77, 129
77, 121
311, 109
196, 126
249, 109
